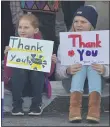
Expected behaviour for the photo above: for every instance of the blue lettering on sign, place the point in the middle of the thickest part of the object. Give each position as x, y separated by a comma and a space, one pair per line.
93, 53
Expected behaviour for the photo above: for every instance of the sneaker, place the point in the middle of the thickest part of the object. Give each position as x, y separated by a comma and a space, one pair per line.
17, 111
35, 111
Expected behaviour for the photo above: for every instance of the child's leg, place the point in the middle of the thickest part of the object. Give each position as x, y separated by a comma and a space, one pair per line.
77, 85
37, 82
94, 82
19, 78
78, 80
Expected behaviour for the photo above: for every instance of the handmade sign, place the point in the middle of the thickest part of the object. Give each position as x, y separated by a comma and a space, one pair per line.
32, 54
84, 47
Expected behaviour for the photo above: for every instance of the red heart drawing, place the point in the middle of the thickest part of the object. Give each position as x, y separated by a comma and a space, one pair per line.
71, 53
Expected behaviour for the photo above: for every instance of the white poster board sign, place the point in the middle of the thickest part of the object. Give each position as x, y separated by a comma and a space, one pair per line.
31, 54
84, 47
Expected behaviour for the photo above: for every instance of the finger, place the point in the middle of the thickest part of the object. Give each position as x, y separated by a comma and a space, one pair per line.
76, 70
76, 67
54, 60
93, 65
5, 52
7, 48
76, 64
54, 57
97, 69
96, 65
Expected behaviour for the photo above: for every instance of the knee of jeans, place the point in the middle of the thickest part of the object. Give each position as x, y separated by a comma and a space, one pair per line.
83, 67
90, 69
19, 71
83, 70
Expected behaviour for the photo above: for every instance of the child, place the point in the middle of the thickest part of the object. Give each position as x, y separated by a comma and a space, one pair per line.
85, 19
28, 27
46, 13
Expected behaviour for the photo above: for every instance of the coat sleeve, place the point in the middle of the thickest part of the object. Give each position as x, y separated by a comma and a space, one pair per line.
60, 69
106, 72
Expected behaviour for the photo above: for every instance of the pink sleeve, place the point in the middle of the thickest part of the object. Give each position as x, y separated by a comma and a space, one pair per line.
52, 69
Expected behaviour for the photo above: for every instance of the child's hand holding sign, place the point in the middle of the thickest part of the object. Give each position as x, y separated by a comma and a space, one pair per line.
54, 58
99, 68
7, 48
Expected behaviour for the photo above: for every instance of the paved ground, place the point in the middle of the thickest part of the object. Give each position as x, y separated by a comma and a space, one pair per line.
52, 119
59, 97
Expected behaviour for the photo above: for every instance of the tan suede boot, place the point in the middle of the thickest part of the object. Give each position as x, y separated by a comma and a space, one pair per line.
94, 107
75, 107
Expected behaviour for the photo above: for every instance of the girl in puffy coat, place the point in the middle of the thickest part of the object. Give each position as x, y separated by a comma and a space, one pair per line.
85, 19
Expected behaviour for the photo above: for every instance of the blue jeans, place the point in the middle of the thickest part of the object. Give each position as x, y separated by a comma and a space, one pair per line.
94, 80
